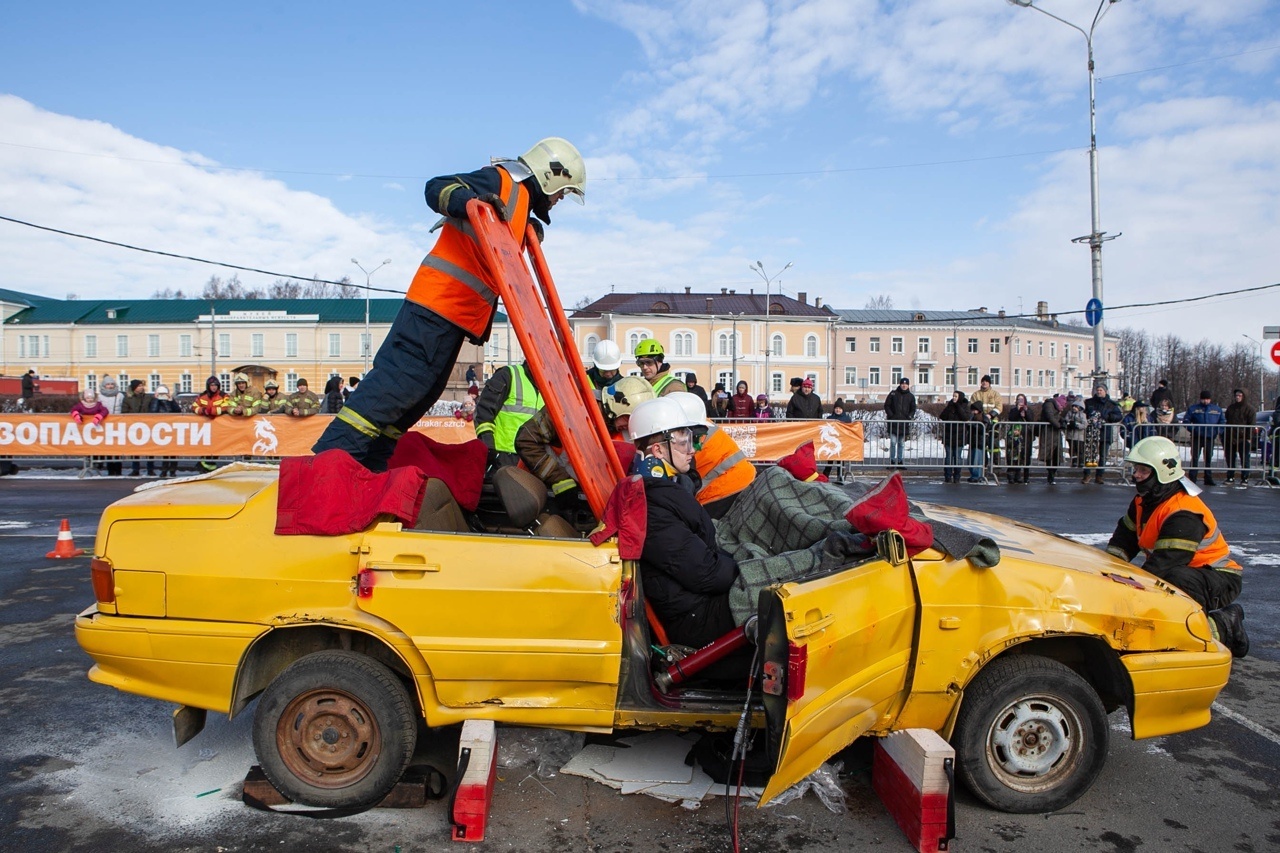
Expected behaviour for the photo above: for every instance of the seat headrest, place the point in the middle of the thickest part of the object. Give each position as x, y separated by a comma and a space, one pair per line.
523, 495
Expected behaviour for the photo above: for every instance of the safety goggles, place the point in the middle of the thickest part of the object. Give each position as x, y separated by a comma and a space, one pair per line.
647, 362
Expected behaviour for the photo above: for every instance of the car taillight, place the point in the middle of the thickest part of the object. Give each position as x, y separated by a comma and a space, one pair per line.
364, 584
797, 667
104, 582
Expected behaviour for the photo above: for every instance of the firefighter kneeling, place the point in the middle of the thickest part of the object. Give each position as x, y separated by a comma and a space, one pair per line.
1180, 537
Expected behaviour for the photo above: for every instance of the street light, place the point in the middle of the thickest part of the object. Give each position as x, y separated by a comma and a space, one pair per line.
368, 339
1097, 236
758, 266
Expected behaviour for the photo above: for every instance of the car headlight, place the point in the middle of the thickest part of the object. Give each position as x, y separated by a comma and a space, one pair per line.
1198, 625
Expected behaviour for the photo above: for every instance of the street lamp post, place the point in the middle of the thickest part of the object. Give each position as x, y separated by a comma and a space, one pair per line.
758, 266
1097, 236
368, 339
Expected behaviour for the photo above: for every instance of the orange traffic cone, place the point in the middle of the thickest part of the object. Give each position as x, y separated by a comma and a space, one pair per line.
66, 546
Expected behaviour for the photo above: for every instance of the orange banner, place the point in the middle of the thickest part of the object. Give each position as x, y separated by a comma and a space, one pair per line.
279, 435
768, 441
185, 435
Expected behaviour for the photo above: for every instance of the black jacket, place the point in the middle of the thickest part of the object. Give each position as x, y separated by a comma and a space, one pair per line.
900, 405
685, 576
802, 407
954, 414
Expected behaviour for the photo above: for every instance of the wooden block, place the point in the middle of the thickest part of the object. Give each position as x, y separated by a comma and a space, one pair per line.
922, 817
409, 793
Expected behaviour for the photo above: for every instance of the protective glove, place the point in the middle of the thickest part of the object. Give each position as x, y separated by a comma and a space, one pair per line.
98, 419
75, 416
495, 201
538, 229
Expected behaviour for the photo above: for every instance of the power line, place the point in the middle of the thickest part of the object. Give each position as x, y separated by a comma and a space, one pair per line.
1188, 62
224, 264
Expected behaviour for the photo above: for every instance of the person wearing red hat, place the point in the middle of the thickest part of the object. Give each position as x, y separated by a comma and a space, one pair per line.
804, 404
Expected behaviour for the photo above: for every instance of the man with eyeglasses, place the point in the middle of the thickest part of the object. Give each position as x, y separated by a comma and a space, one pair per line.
651, 359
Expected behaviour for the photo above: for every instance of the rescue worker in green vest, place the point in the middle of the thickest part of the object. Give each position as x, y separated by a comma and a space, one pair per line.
243, 400
302, 403
651, 360
1169, 523
271, 403
509, 399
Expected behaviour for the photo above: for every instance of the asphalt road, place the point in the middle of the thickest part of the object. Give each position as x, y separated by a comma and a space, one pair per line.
86, 767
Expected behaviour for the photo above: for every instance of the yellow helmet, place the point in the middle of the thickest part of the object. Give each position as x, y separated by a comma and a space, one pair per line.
557, 165
649, 348
241, 377
633, 390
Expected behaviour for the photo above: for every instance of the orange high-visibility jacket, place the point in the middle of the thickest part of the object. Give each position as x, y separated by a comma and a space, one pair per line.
723, 467
1210, 552
453, 280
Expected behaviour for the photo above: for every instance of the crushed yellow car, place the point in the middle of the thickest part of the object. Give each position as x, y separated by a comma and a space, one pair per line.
348, 642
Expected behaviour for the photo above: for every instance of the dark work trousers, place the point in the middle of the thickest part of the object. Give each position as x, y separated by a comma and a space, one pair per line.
1201, 445
1211, 588
408, 376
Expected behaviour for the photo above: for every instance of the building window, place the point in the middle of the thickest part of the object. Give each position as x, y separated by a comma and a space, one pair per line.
90, 346
775, 346
924, 346
224, 379
366, 343
1017, 377
184, 346
682, 344
775, 383
122, 346
973, 345
255, 345
723, 346
122, 382
995, 345
592, 340
290, 382
91, 383
850, 344
851, 376
725, 377
874, 344
811, 346
153, 346
995, 375
1053, 349
153, 382
896, 374
1039, 378
924, 376
950, 377
291, 345
1039, 347
634, 339
1051, 376
949, 346
335, 345
1079, 352
973, 373
895, 345
184, 384
224, 345
873, 376
1017, 346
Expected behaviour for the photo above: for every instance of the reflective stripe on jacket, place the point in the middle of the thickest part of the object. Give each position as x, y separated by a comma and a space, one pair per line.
453, 280
723, 467
522, 403
667, 384
1210, 552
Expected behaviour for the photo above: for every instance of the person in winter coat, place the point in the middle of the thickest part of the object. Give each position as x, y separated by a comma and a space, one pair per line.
302, 403
1074, 423
804, 404
209, 403
453, 296
989, 397
243, 401
899, 411
1241, 419
89, 409
164, 404
138, 402
509, 400
1051, 412
763, 411
982, 440
1137, 424
331, 400
1107, 411
687, 577
740, 404
1204, 420
29, 388
1161, 394
718, 405
1172, 526
954, 417
109, 395
1019, 438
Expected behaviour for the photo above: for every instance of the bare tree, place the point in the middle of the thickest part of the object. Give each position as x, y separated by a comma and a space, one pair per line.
169, 293
883, 302
284, 288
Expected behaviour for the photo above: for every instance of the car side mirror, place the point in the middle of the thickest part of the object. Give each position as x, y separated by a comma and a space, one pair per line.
891, 547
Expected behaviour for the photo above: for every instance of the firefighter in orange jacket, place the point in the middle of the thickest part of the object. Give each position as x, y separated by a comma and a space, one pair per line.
452, 297
722, 469
1169, 523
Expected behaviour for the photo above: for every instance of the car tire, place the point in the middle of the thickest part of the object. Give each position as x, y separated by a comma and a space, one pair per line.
335, 729
1031, 736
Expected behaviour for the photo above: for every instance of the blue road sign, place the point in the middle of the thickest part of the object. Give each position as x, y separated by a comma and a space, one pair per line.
1093, 312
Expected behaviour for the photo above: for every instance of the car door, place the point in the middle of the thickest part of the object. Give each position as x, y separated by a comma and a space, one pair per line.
526, 626
837, 652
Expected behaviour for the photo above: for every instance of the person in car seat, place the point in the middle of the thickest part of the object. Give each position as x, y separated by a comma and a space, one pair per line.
686, 575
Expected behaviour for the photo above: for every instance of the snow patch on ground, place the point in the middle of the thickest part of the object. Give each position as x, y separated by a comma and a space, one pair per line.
1251, 557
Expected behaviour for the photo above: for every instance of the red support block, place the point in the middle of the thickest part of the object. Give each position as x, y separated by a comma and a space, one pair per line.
478, 764
912, 773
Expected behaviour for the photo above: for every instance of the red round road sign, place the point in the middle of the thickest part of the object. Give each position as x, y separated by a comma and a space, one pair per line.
1275, 352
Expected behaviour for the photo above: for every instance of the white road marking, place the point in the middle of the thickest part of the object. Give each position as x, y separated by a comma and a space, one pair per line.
1219, 708
14, 525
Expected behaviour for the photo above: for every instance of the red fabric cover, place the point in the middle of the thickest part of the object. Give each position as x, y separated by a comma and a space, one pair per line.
885, 508
331, 494
627, 515
460, 466
803, 465
626, 453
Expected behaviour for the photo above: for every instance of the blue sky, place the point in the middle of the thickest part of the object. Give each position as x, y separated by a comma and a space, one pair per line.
934, 151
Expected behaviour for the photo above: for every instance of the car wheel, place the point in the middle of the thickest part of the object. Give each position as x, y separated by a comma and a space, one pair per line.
335, 729
1031, 735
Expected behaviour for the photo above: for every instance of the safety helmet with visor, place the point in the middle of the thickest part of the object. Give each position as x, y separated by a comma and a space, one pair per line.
620, 399
657, 419
558, 167
1161, 455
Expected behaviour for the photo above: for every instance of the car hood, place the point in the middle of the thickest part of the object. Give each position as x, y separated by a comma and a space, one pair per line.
220, 494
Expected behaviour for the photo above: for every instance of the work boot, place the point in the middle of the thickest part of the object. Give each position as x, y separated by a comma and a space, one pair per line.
1085, 477
1209, 481
1097, 478
1230, 624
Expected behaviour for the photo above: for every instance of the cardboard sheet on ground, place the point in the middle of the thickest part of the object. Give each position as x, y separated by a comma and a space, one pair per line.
651, 764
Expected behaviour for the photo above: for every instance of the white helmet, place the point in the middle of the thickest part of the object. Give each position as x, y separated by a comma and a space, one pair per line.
608, 356
659, 417
694, 409
557, 165
633, 390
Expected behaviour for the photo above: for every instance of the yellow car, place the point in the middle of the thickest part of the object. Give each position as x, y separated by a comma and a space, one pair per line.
349, 642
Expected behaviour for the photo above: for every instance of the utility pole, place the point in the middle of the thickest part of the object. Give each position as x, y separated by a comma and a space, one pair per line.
758, 266
213, 339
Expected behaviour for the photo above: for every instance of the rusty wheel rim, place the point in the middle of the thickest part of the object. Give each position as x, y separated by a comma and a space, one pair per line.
328, 738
